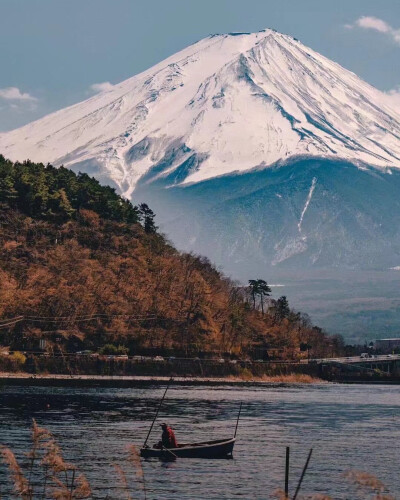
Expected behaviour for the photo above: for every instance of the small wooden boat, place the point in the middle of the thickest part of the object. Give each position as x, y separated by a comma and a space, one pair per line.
220, 448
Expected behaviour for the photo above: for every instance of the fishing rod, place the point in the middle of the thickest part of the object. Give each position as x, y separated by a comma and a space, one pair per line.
237, 421
156, 415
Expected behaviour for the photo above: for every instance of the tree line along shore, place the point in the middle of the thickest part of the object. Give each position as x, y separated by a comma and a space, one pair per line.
82, 268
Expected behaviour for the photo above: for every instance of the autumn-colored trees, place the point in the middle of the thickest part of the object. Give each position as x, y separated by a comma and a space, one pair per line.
77, 264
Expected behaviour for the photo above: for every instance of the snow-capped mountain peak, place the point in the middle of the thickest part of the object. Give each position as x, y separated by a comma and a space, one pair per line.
226, 103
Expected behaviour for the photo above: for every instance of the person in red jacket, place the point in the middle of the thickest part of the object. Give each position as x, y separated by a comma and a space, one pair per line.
168, 439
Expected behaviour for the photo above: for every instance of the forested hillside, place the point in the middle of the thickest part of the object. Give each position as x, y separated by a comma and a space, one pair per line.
82, 267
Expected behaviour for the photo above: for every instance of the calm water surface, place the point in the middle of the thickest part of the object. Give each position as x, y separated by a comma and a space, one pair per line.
349, 427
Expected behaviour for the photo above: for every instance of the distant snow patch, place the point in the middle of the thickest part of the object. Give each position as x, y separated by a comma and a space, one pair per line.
310, 193
291, 247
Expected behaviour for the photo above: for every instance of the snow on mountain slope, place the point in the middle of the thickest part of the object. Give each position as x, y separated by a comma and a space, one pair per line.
227, 103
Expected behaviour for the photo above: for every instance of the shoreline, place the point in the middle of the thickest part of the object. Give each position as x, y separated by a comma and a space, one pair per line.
126, 381
63, 380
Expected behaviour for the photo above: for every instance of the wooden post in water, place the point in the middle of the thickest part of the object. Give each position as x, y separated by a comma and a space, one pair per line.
303, 474
287, 472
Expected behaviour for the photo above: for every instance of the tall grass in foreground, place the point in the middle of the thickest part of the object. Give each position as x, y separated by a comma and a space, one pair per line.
369, 484
365, 484
46, 475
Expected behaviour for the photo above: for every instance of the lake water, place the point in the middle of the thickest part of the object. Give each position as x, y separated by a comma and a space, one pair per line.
349, 427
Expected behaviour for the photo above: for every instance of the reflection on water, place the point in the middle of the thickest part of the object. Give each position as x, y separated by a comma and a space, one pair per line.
349, 427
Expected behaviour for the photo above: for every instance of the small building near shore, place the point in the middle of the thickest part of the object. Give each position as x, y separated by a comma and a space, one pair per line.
387, 345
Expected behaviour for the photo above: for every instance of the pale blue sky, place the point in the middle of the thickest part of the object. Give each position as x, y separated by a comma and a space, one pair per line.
52, 51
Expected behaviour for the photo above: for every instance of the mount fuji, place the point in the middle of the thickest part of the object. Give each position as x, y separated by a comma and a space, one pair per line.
260, 153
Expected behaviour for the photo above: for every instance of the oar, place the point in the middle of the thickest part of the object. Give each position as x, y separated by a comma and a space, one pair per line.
169, 451
237, 421
156, 415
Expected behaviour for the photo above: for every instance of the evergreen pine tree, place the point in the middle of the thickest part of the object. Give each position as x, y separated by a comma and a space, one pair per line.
282, 308
147, 217
259, 288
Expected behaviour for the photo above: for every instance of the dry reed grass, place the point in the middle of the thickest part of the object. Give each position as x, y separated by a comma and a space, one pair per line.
135, 460
123, 481
365, 480
20, 483
60, 479
293, 378
368, 482
279, 494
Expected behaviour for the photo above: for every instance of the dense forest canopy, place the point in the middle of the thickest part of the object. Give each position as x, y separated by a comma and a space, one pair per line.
82, 267
58, 193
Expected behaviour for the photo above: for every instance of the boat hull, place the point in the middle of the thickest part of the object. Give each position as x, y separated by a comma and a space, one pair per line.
220, 448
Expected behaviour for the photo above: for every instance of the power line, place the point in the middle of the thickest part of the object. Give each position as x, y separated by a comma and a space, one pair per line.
10, 323
6, 323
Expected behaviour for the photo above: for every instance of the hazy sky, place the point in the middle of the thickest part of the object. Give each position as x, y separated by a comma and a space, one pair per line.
58, 52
